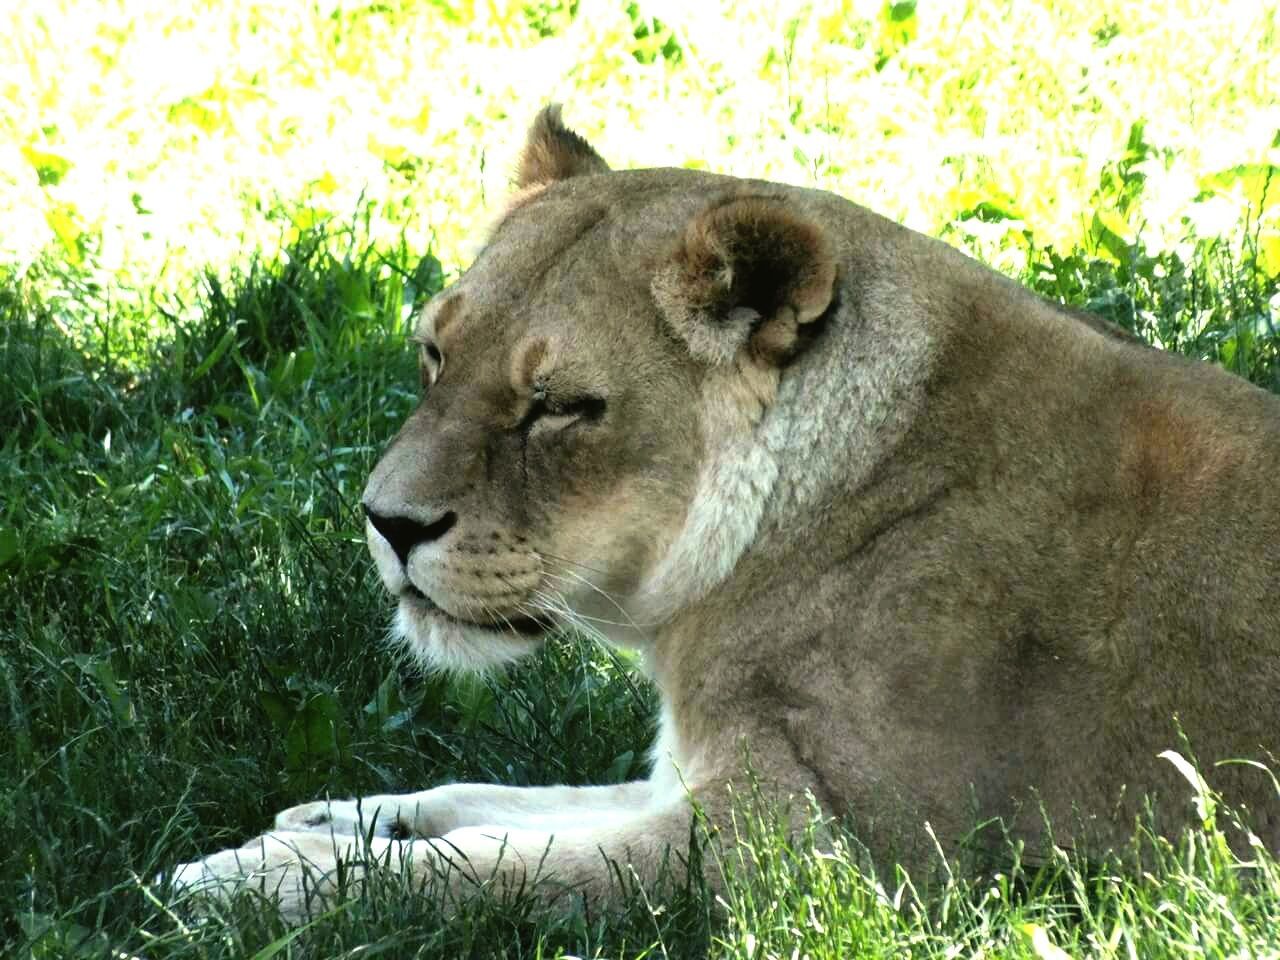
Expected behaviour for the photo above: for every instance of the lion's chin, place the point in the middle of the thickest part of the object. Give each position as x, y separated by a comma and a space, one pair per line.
438, 641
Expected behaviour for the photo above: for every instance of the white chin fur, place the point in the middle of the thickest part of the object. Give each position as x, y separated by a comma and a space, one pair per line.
440, 644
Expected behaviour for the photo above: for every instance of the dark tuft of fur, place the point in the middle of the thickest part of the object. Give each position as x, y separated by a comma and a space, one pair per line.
554, 152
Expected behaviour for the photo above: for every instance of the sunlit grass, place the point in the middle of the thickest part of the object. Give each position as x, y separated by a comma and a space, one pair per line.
143, 141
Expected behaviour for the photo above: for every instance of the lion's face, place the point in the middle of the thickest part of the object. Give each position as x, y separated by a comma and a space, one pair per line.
561, 445
553, 452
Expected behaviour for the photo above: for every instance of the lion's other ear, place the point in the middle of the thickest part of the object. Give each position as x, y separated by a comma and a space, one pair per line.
748, 272
554, 152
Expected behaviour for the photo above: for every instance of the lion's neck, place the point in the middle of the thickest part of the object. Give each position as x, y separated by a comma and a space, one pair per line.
843, 411
777, 448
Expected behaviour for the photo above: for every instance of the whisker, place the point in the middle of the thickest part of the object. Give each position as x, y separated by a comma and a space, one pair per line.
630, 621
603, 620
556, 603
492, 613
578, 616
572, 563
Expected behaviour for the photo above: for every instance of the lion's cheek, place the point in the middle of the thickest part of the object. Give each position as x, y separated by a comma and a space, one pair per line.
610, 541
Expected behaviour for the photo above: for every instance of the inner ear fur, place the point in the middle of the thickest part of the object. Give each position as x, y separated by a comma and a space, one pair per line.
747, 273
554, 152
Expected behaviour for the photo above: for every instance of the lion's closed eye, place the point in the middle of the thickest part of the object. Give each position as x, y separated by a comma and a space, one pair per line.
547, 414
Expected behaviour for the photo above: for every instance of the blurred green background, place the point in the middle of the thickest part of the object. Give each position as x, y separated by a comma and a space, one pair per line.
144, 140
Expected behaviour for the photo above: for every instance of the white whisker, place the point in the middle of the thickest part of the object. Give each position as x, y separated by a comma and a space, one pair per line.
556, 604
629, 622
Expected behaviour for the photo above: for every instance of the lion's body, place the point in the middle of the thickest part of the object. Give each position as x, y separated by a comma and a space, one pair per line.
1069, 541
921, 542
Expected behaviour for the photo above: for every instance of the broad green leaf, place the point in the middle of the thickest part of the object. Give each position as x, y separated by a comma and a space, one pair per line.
900, 12
899, 24
1111, 234
317, 732
224, 343
1269, 252
620, 767
1041, 945
1204, 801
111, 687
1258, 182
386, 699
278, 708
326, 184
51, 937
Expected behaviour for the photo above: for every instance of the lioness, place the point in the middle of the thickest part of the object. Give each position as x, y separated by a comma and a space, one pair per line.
930, 546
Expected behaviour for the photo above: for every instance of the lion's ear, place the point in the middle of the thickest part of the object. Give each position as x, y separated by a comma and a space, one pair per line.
748, 273
554, 152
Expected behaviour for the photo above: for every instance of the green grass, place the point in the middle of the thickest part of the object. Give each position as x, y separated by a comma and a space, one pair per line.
190, 640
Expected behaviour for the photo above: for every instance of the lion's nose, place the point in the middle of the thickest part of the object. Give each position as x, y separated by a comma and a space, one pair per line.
405, 533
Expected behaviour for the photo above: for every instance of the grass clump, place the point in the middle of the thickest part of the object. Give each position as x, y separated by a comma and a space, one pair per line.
1193, 897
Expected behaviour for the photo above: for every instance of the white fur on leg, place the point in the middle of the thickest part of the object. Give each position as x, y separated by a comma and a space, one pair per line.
302, 869
299, 869
435, 812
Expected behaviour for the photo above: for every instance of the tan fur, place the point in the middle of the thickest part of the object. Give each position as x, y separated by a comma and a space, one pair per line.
528, 363
932, 549
518, 199
554, 152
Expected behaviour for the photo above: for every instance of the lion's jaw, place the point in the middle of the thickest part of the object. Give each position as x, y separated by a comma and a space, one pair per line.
489, 594
444, 616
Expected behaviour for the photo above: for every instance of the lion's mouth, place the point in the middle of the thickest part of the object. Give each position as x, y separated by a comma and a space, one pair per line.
524, 625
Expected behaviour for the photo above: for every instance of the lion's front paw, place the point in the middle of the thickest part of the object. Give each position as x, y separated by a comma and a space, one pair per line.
375, 816
300, 869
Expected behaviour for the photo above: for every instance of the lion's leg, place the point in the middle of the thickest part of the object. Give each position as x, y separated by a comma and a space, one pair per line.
581, 857
301, 867
437, 812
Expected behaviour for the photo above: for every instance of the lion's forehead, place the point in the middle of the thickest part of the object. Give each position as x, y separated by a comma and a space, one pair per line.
572, 264
574, 240
498, 303
435, 318
575, 305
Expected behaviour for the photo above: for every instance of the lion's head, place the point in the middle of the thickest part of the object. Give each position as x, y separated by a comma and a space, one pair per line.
584, 384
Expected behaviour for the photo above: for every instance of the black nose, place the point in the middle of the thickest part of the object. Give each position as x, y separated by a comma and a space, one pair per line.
405, 533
